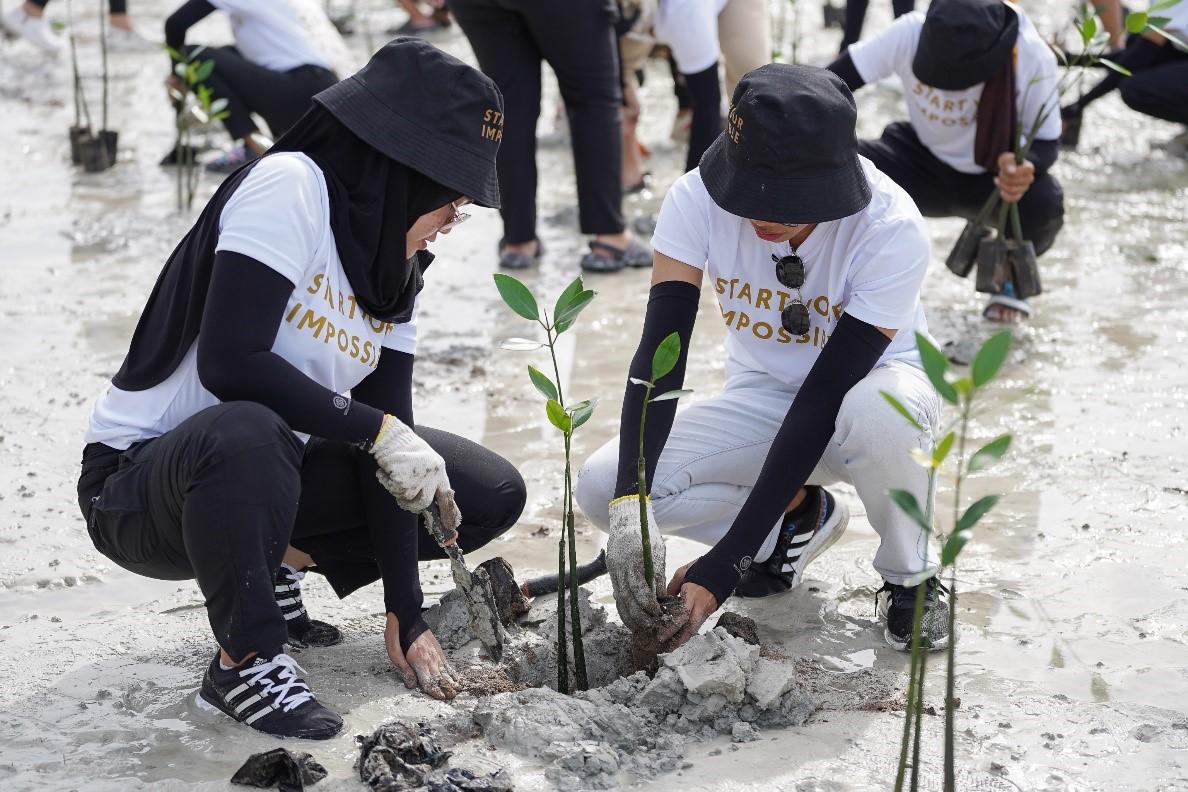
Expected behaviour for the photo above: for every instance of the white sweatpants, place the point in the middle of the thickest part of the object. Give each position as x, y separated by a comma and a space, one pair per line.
717, 447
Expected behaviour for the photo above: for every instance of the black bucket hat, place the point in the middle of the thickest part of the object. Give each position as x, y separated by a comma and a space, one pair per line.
789, 153
964, 42
427, 110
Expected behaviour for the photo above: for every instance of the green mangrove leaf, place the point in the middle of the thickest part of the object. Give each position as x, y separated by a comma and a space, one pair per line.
1160, 5
952, 548
542, 383
1087, 29
899, 408
517, 296
218, 105
1136, 22
990, 453
922, 458
557, 416
672, 394
964, 386
582, 412
205, 69
1158, 28
990, 357
572, 290
975, 512
638, 381
935, 366
909, 506
1109, 64
520, 344
564, 320
180, 70
666, 355
942, 449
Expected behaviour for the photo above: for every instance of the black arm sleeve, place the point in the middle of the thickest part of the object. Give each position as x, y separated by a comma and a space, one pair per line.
394, 532
1043, 155
672, 308
244, 308
844, 67
851, 353
184, 18
1138, 54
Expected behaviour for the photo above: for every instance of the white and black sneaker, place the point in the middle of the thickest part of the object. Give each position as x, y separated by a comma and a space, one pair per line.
303, 631
897, 605
269, 696
806, 533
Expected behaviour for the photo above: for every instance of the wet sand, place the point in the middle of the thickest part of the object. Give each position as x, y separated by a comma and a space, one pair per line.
1072, 667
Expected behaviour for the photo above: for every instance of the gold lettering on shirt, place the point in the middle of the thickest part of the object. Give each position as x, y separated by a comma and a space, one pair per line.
771, 329
936, 108
322, 327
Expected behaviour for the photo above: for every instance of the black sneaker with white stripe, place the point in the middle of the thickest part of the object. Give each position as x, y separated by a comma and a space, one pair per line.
303, 631
801, 539
897, 604
269, 696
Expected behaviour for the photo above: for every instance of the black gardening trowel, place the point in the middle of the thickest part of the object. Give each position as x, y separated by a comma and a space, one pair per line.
475, 587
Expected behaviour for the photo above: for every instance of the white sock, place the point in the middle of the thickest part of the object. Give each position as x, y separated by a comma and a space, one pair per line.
224, 667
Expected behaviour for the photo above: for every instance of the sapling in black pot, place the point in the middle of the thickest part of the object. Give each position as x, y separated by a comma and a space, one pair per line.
192, 73
566, 419
80, 132
98, 151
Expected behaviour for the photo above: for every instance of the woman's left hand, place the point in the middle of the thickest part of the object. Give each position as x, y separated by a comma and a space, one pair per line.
698, 604
425, 665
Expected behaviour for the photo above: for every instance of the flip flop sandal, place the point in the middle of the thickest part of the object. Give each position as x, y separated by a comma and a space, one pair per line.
645, 181
518, 259
613, 259
1004, 301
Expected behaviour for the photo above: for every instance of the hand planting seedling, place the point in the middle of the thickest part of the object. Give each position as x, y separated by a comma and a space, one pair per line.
566, 419
961, 394
191, 74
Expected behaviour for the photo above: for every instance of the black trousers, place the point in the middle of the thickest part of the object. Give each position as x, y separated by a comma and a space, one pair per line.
280, 98
114, 6
941, 191
856, 17
576, 38
1160, 90
219, 498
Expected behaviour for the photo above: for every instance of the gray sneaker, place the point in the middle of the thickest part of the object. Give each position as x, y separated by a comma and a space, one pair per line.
608, 258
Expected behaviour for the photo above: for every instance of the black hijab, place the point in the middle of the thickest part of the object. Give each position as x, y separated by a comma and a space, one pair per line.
374, 201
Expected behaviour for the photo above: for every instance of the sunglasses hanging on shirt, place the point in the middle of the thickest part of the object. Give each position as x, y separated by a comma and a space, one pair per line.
790, 273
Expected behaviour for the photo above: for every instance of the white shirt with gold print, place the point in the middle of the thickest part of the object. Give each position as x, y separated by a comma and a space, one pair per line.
869, 265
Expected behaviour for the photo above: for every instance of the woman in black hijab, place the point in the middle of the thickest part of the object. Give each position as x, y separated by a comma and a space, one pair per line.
225, 450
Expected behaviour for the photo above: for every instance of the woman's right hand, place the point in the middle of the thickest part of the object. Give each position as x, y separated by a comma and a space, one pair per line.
425, 665
413, 472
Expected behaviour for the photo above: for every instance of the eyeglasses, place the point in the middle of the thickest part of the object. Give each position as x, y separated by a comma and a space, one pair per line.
790, 273
455, 219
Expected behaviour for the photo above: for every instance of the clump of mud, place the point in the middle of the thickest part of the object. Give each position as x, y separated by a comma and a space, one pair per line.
398, 757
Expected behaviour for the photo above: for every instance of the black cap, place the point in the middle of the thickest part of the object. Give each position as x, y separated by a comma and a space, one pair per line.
427, 110
789, 153
964, 43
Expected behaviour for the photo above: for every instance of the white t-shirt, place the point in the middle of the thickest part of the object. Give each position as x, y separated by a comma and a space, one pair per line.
283, 34
280, 216
690, 29
946, 121
869, 265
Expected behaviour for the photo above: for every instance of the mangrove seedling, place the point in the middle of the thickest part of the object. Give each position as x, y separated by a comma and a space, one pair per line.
80, 132
192, 73
961, 393
566, 418
664, 359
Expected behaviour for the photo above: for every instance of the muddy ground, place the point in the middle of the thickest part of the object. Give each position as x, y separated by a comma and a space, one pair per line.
1073, 631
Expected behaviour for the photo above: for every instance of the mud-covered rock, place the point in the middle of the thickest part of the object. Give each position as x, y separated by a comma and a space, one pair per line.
450, 621
397, 756
741, 627
280, 768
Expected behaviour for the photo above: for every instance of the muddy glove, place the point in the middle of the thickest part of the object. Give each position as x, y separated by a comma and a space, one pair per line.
413, 472
637, 603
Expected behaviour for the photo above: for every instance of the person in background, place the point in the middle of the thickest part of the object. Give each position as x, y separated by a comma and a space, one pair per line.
699, 33
419, 22
28, 21
1158, 85
817, 260
972, 70
635, 45
577, 39
225, 449
285, 51
856, 18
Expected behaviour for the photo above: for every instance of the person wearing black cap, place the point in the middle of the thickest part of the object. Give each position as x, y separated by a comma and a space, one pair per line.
972, 70
227, 450
804, 242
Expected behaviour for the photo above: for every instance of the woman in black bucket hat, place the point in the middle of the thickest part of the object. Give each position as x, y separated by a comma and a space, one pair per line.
972, 70
804, 243
225, 450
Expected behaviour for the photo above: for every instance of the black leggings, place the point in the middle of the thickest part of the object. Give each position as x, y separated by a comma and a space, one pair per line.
856, 17
1160, 90
941, 191
280, 98
114, 6
219, 498
577, 39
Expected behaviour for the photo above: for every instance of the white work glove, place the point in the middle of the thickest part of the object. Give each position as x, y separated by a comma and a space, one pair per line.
636, 602
413, 472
